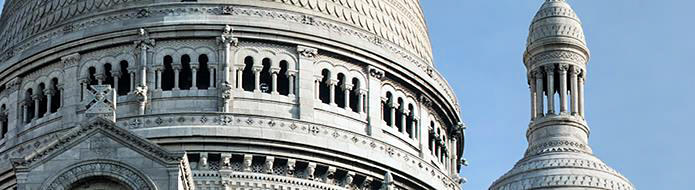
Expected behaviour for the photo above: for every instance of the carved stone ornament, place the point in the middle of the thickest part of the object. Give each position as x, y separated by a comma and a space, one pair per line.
144, 40
129, 176
227, 37
306, 19
14, 84
426, 101
143, 13
226, 90
141, 93
101, 102
227, 9
307, 52
70, 60
376, 73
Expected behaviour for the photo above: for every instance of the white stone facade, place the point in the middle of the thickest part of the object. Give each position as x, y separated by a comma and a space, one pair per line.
223, 94
558, 155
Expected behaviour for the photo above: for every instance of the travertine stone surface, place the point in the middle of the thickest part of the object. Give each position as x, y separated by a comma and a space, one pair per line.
558, 155
263, 94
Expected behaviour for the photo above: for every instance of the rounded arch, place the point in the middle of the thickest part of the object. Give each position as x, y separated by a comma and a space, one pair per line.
355, 74
185, 51
291, 63
241, 54
210, 53
123, 57
56, 74
124, 173
84, 70
339, 69
387, 88
270, 55
42, 80
159, 57
324, 65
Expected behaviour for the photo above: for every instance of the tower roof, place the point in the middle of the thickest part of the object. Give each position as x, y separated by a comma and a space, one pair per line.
556, 23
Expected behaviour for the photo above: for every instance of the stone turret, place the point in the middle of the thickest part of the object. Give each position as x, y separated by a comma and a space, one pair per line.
558, 156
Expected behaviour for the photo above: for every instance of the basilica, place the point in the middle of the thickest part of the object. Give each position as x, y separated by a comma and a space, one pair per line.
265, 94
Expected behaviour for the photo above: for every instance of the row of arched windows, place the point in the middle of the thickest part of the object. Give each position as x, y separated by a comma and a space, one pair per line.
42, 100
186, 74
265, 78
399, 114
436, 143
341, 91
120, 78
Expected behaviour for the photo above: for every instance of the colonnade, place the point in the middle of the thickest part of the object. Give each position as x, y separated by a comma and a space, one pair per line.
567, 81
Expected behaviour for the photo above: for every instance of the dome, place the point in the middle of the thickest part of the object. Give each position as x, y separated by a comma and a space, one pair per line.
556, 22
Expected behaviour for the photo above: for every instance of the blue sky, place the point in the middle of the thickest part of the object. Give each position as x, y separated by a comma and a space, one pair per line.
639, 91
640, 85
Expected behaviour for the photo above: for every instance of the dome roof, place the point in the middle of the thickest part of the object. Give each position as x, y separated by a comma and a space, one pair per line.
554, 23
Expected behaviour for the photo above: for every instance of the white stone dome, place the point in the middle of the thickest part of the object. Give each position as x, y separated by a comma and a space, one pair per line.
556, 22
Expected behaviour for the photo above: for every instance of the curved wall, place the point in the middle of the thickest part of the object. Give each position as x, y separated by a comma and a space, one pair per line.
329, 94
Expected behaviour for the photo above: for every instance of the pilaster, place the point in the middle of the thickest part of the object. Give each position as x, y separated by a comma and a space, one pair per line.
305, 84
374, 83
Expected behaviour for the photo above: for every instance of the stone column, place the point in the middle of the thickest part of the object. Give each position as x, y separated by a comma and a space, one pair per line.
574, 72
100, 78
550, 75
158, 72
240, 78
404, 120
360, 101
306, 80
293, 79
25, 109
257, 78
176, 77
539, 92
348, 89
70, 92
49, 99
532, 89
227, 40
37, 101
116, 75
581, 95
332, 84
392, 109
562, 69
194, 75
211, 82
317, 88
132, 81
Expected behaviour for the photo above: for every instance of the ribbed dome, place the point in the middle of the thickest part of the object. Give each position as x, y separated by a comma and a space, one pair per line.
556, 22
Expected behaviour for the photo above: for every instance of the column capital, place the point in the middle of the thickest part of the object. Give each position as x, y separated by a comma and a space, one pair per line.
307, 52
36, 97
538, 73
49, 91
332, 82
348, 87
563, 68
275, 70
575, 70
14, 84
115, 73
549, 69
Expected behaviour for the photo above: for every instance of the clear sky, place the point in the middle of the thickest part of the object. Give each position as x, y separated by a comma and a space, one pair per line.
639, 95
640, 87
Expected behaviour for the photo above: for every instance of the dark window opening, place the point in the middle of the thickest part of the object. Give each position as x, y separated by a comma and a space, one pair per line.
324, 90
386, 107
248, 77
55, 98
43, 101
185, 74
29, 106
266, 78
108, 80
168, 74
354, 94
283, 79
203, 74
409, 122
124, 79
92, 77
340, 91
400, 115
4, 128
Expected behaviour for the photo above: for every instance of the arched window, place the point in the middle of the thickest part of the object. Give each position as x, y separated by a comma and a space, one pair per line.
124, 79
399, 115
43, 102
266, 78
283, 79
430, 145
340, 91
185, 74
386, 108
248, 78
92, 76
3, 121
108, 80
410, 122
55, 98
354, 94
203, 75
168, 74
29, 105
324, 90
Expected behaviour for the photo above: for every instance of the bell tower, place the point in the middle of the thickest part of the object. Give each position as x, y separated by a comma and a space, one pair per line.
558, 155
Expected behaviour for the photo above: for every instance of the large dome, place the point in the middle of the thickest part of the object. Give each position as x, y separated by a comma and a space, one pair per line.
224, 94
